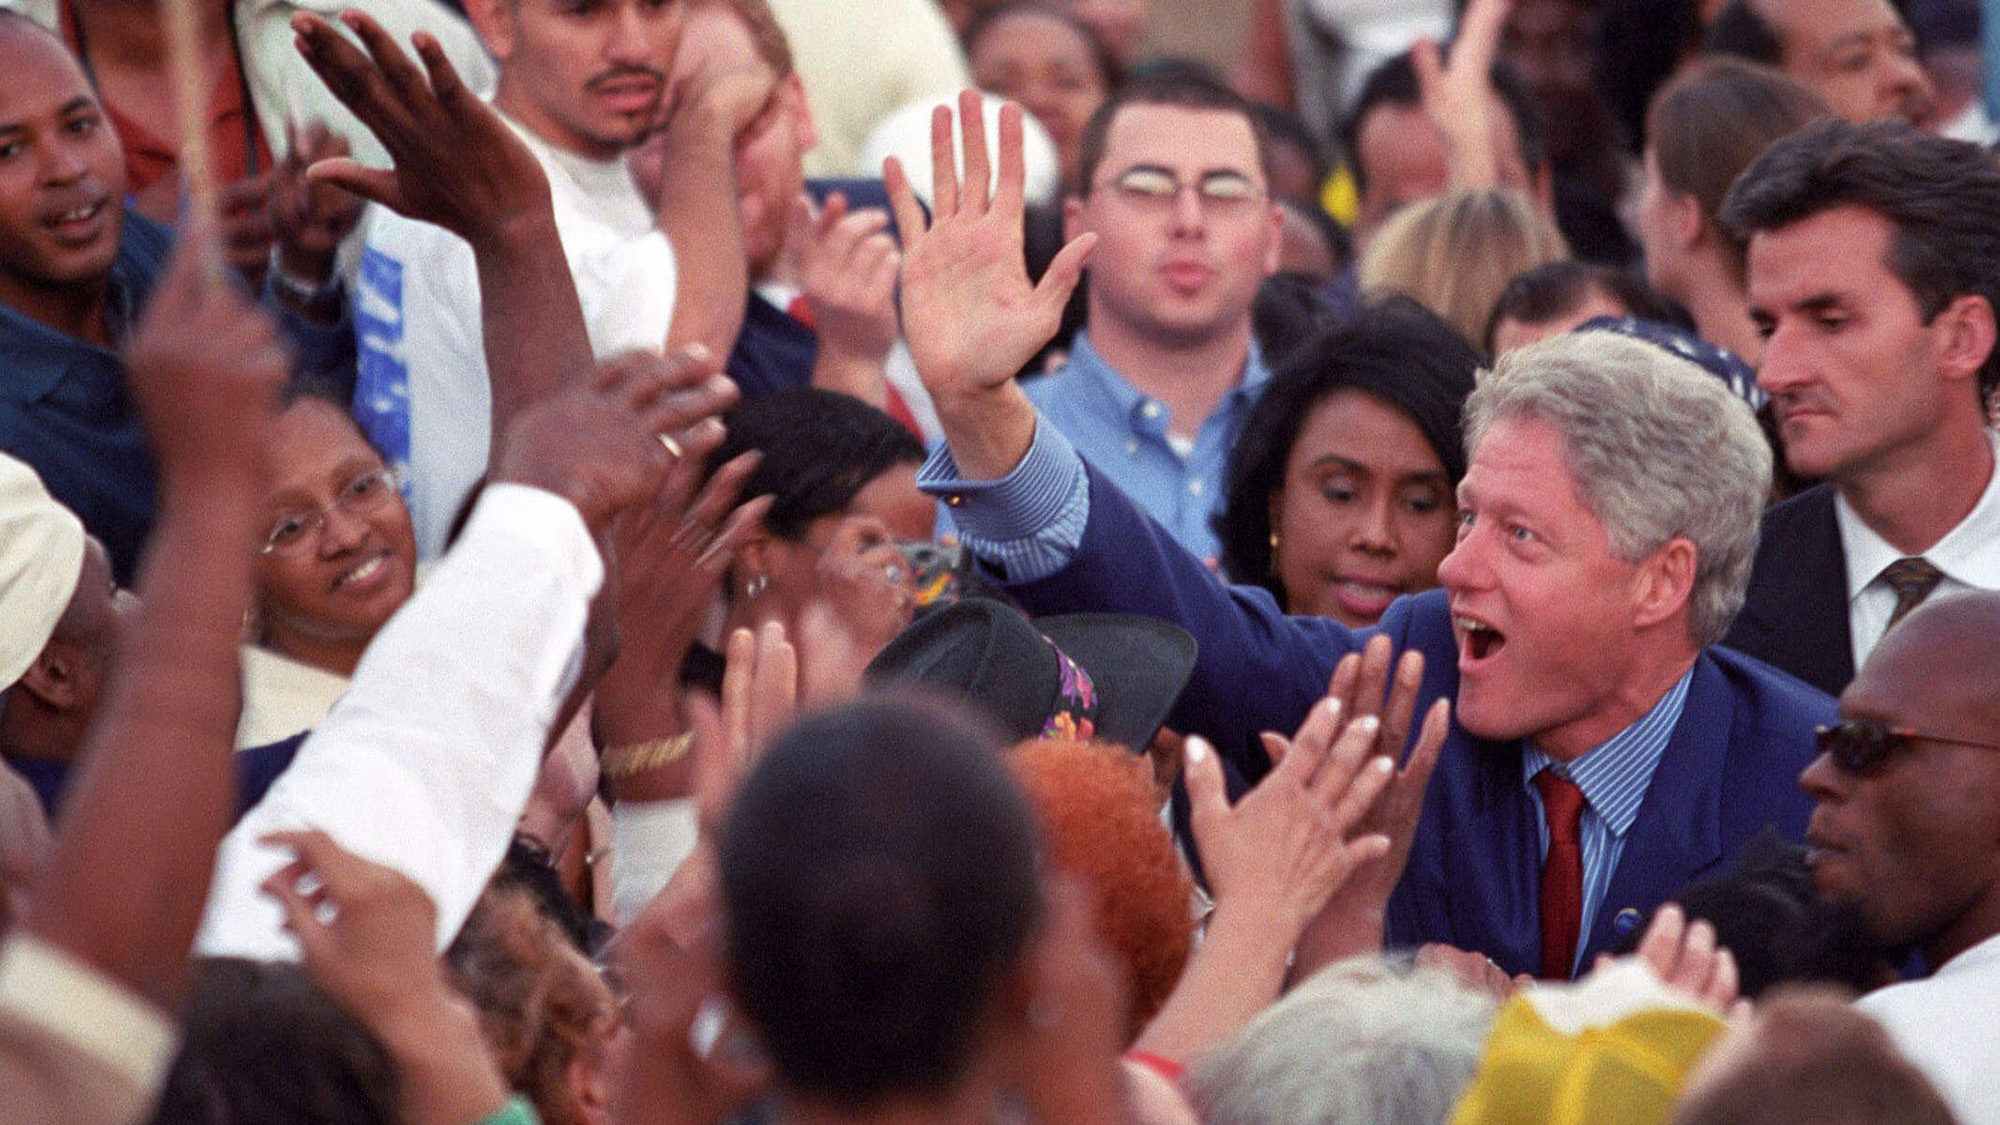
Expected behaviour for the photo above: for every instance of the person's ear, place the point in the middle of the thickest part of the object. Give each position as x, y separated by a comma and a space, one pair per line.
494, 21
53, 677
1663, 582
795, 89
1274, 248
590, 1089
1073, 223
1684, 218
751, 572
1966, 336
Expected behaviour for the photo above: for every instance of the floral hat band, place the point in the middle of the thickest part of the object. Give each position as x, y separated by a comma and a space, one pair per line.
1074, 715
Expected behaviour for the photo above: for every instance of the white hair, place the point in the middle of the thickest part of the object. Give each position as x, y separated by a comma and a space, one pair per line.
1367, 1041
1660, 450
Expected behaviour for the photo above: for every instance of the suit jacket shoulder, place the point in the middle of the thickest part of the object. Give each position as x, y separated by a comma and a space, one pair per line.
1794, 615
1730, 768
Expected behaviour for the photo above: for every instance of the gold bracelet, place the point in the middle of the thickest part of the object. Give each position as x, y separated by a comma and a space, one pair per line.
639, 757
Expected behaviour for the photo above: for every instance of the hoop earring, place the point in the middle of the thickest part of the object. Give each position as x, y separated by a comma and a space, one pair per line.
756, 586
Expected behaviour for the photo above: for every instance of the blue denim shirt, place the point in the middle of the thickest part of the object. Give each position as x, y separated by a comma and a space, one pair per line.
1123, 433
64, 410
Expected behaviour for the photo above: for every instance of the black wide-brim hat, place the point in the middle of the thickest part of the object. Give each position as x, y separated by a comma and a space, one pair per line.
1024, 672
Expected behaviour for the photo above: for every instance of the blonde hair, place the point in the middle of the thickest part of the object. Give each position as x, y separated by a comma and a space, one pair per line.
1455, 253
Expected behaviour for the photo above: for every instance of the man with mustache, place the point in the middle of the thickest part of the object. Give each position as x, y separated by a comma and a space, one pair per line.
1173, 179
1906, 828
584, 83
1874, 273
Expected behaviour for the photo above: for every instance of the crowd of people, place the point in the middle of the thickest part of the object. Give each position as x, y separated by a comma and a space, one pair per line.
625, 562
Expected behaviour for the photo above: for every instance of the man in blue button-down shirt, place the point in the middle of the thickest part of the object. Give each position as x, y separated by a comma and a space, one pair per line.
1173, 181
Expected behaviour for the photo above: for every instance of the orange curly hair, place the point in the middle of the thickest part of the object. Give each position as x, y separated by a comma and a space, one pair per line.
1100, 819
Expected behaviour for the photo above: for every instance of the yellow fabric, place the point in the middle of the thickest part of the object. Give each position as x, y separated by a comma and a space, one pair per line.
1341, 196
1629, 1072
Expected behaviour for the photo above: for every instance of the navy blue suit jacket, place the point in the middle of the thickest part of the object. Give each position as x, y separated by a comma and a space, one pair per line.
774, 352
1730, 768
1795, 613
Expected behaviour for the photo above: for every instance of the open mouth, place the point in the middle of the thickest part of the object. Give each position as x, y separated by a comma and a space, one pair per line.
366, 575
1365, 599
1481, 642
79, 222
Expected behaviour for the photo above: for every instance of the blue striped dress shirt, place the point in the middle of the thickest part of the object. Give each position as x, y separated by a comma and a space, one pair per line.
1614, 777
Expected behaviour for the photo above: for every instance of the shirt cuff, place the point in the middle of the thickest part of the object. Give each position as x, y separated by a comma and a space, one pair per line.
45, 987
1028, 524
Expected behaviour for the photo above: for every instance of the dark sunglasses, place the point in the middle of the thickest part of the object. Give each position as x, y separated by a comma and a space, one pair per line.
1862, 746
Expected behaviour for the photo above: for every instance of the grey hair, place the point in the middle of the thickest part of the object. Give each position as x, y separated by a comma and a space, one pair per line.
1367, 1041
1659, 448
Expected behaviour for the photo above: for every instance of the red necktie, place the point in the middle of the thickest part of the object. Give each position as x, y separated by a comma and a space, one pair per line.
801, 310
1562, 873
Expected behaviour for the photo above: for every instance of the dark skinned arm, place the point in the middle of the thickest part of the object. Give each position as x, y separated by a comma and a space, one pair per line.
130, 871
458, 165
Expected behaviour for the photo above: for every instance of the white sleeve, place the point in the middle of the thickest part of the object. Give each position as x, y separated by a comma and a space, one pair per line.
426, 763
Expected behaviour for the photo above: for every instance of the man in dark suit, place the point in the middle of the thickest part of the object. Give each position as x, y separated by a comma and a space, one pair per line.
1874, 271
1601, 755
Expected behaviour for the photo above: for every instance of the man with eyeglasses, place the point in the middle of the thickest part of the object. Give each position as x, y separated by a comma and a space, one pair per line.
1906, 827
1172, 178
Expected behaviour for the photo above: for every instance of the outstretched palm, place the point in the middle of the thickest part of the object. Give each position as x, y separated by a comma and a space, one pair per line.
970, 315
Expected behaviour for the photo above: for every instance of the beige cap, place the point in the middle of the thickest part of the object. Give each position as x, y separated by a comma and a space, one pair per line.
41, 557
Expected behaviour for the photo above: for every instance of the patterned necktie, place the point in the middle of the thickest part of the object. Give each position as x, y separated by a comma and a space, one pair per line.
1913, 580
1562, 873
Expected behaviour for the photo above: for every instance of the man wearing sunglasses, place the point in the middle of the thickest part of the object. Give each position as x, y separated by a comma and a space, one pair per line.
1906, 826
1173, 179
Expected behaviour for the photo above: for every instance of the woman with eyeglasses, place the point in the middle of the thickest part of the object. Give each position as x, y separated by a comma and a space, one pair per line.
339, 558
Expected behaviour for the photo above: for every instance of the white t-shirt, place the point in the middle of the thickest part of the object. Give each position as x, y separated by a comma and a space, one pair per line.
423, 392
1949, 1025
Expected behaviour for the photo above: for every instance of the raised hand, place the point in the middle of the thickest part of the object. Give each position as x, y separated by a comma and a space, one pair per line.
1273, 862
691, 1062
1352, 920
970, 315
1294, 840
310, 219
603, 445
204, 368
1475, 971
368, 934
760, 680
457, 164
1457, 96
1685, 956
863, 595
243, 207
1360, 682
849, 278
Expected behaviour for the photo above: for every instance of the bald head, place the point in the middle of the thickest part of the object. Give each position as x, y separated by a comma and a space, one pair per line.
1946, 656
1911, 834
